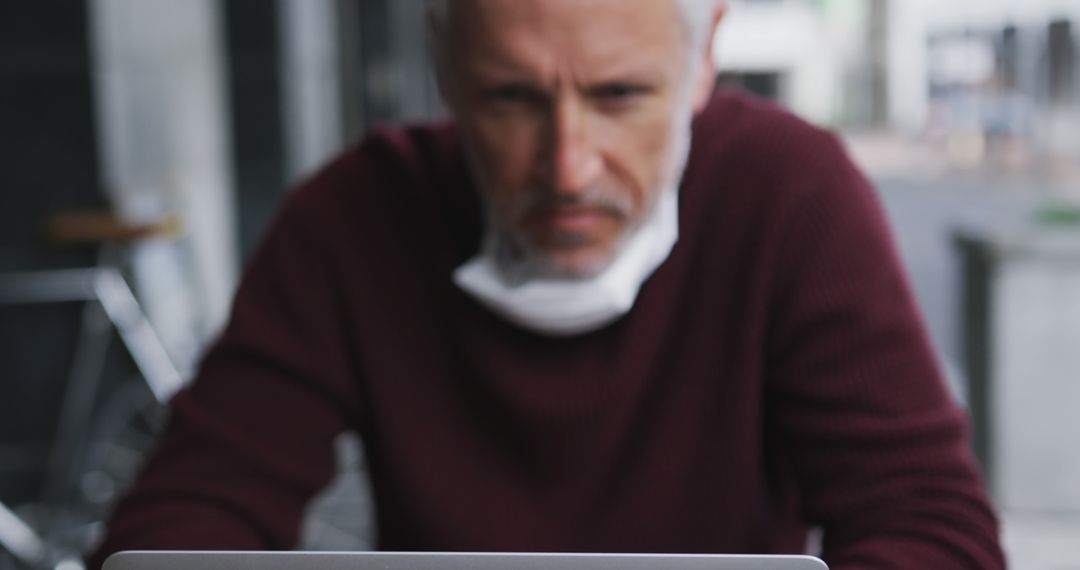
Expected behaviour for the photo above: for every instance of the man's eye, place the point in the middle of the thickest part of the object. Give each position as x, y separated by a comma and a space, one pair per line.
618, 92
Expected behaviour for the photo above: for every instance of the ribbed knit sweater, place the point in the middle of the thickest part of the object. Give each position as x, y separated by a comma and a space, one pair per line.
772, 375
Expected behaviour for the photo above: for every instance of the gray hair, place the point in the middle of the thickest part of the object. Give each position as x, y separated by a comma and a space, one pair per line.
696, 15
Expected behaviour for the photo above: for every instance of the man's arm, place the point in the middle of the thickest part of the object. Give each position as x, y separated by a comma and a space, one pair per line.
250, 441
879, 448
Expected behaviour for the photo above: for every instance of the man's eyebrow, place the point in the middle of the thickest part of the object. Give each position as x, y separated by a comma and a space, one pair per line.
630, 75
507, 71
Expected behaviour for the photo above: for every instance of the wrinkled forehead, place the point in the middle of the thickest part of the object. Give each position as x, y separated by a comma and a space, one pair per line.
579, 29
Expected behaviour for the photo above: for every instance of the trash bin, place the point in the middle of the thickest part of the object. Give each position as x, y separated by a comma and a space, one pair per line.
1021, 343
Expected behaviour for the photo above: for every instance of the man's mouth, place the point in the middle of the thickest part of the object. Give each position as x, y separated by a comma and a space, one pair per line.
573, 218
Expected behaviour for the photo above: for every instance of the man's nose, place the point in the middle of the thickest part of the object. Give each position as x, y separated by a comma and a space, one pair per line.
575, 160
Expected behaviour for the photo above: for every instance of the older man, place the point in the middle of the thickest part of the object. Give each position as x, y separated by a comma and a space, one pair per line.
560, 326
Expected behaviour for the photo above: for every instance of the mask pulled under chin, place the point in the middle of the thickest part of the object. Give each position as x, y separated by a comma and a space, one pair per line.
565, 307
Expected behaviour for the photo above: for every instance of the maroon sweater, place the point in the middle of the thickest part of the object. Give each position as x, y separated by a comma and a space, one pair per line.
772, 375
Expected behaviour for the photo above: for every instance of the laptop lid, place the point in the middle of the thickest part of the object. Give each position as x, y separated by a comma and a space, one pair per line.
203, 560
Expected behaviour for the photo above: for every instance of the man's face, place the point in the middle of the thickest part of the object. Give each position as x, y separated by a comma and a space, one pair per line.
570, 110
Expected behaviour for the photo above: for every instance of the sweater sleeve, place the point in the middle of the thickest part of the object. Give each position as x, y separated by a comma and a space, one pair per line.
877, 446
250, 441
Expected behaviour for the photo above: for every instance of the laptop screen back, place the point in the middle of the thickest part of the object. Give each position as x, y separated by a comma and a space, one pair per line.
165, 560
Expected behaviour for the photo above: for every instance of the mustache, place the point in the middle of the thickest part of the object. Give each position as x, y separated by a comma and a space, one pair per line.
533, 199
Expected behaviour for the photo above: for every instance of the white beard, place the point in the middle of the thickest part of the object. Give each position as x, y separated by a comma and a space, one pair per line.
566, 306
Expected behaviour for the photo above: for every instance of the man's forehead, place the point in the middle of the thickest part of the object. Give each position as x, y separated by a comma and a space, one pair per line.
578, 14
447, 5
583, 28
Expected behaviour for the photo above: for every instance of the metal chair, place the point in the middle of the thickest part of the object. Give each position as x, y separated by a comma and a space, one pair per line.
110, 308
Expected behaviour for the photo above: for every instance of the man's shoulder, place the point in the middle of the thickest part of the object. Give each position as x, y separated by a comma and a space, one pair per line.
750, 131
755, 165
393, 153
402, 186
753, 153
393, 167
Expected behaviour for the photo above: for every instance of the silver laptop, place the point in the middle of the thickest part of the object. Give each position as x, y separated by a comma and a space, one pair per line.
170, 560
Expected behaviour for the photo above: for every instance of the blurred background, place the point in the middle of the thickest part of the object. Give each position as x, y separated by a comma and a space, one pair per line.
146, 143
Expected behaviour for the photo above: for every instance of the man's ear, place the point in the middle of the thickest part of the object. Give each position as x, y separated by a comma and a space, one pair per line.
705, 74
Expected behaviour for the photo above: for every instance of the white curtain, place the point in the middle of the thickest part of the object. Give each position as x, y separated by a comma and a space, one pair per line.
163, 129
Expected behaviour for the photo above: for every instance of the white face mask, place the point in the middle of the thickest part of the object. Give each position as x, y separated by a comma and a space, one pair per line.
569, 306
